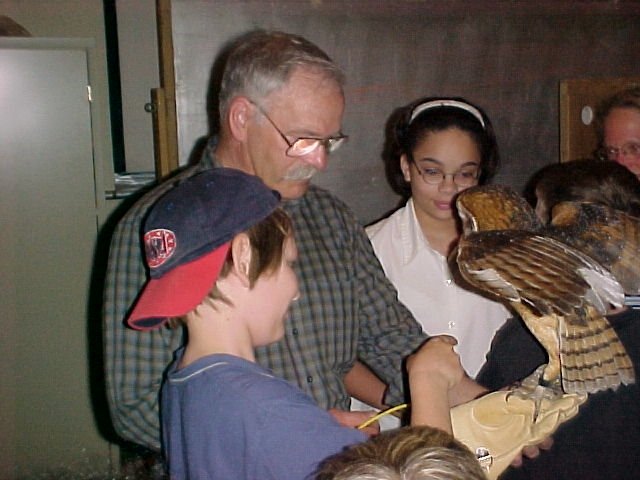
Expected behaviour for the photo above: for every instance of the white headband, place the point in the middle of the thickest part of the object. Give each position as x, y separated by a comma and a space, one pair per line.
446, 103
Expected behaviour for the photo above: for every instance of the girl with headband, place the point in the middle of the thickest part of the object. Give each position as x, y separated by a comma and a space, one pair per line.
435, 149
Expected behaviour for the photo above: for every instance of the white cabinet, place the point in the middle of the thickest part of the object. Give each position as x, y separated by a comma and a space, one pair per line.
48, 228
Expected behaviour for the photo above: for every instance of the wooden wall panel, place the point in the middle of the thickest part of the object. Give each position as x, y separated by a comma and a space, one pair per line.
508, 57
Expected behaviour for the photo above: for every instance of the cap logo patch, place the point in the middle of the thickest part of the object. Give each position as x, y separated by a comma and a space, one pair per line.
159, 245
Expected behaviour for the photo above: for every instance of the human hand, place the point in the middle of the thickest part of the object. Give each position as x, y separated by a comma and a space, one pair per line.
355, 418
532, 451
502, 423
438, 361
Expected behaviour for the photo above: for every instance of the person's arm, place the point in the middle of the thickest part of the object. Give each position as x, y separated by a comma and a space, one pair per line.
355, 419
388, 331
465, 391
434, 370
134, 361
514, 354
364, 385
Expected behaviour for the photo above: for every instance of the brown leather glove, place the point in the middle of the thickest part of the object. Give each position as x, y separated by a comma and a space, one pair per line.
499, 425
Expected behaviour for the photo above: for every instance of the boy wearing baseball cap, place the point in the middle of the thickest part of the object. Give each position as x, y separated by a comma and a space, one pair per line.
220, 254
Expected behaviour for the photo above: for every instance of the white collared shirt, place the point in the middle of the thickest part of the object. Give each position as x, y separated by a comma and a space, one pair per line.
425, 285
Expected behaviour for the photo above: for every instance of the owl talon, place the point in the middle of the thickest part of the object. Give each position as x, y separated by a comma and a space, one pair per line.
535, 388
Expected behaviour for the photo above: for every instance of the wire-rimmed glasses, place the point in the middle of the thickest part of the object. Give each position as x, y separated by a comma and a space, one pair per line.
302, 146
465, 177
631, 149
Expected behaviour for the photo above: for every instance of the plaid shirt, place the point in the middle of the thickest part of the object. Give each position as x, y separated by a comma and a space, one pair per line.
347, 310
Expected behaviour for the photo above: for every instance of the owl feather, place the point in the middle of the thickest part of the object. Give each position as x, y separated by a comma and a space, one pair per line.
561, 282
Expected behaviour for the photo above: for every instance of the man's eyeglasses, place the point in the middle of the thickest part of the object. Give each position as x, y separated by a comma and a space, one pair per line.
630, 149
304, 145
465, 177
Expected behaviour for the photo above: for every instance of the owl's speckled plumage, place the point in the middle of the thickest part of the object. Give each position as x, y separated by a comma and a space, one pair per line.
609, 236
557, 278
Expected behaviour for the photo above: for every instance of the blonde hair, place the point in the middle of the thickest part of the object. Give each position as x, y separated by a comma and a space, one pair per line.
409, 453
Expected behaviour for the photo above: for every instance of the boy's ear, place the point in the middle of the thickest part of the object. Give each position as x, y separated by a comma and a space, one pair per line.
240, 110
241, 254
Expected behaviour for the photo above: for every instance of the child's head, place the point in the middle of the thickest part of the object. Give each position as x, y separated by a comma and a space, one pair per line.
269, 242
596, 181
412, 126
409, 453
188, 235
438, 148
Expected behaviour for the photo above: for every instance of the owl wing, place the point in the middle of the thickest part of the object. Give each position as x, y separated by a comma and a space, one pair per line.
561, 294
609, 236
538, 271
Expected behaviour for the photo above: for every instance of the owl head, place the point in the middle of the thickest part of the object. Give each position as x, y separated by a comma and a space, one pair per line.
495, 207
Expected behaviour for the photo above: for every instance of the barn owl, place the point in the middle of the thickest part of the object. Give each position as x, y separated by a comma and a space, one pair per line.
561, 279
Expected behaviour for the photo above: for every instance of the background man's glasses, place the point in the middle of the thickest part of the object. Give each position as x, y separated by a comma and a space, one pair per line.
630, 149
304, 145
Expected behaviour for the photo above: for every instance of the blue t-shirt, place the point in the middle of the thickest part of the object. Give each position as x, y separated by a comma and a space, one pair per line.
224, 417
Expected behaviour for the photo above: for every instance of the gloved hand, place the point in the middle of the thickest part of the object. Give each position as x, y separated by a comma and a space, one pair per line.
500, 424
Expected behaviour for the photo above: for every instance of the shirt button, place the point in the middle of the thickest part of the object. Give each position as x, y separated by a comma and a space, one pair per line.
295, 331
451, 324
309, 379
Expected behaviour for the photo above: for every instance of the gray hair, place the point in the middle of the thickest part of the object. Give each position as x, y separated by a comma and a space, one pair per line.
261, 62
426, 463
409, 453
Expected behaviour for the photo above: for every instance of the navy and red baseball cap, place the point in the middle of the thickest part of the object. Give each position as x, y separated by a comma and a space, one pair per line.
186, 236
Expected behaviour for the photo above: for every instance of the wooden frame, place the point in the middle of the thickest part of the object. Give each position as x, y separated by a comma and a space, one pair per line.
165, 126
